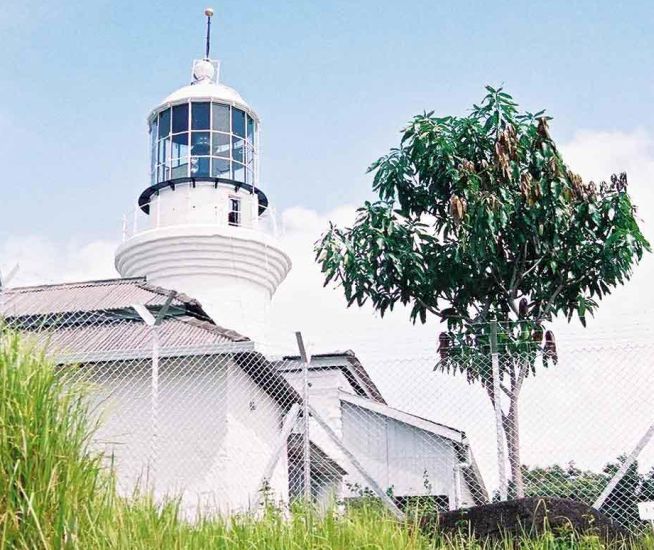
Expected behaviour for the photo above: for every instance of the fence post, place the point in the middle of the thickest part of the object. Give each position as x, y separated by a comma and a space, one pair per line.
499, 428
154, 403
623, 468
306, 454
153, 323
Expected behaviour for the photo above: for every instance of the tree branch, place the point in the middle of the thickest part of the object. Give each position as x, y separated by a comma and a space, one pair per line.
554, 296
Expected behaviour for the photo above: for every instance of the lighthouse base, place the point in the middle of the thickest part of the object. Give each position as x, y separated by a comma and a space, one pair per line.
232, 271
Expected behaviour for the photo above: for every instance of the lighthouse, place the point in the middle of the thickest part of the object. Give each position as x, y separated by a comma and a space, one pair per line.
208, 221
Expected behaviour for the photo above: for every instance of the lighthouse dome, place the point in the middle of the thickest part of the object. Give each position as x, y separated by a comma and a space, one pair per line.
206, 90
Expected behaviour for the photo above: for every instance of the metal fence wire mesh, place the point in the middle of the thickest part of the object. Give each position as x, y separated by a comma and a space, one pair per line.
189, 410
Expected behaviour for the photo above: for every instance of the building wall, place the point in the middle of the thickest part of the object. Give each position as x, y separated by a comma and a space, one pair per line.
210, 448
203, 204
411, 461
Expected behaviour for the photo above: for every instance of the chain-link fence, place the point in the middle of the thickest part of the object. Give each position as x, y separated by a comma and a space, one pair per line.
191, 410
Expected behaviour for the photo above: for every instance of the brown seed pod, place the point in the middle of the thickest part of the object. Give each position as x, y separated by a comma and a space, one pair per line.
523, 308
537, 334
457, 209
549, 350
543, 130
525, 185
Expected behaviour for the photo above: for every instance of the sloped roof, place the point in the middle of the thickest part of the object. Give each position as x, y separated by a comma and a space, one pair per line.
64, 337
348, 362
90, 296
94, 322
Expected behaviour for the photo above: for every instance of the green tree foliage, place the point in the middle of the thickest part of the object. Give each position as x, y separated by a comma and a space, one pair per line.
480, 221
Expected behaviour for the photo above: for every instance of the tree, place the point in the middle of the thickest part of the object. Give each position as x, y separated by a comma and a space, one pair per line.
479, 221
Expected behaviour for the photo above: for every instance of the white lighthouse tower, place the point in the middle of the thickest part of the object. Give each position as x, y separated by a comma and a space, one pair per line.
207, 232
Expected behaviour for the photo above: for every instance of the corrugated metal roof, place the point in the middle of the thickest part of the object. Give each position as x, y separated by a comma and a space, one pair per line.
126, 338
87, 296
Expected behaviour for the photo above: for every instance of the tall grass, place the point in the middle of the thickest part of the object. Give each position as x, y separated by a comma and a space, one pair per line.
55, 493
51, 487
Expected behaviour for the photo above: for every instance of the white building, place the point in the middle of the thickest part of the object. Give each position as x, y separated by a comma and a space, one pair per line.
189, 406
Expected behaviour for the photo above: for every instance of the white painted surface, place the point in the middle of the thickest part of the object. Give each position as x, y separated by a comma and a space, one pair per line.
207, 91
212, 447
232, 271
646, 510
411, 461
204, 204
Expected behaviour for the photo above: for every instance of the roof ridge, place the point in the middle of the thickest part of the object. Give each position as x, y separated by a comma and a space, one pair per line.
180, 296
73, 284
212, 327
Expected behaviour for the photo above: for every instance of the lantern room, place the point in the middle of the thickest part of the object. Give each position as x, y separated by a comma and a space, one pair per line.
202, 138
203, 133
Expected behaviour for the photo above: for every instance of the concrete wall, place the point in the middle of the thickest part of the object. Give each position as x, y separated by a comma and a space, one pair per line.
211, 446
411, 461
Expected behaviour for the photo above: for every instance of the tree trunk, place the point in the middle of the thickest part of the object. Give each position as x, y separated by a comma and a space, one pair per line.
512, 432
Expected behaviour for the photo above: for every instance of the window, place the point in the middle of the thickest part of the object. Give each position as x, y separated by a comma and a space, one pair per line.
220, 117
238, 171
220, 145
238, 122
200, 116
200, 143
220, 168
164, 123
237, 149
199, 166
234, 216
250, 134
203, 139
180, 118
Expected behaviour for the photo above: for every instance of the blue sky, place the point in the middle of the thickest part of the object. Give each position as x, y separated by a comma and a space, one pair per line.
333, 82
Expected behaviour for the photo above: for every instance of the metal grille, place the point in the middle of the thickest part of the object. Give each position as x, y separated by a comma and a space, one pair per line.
191, 411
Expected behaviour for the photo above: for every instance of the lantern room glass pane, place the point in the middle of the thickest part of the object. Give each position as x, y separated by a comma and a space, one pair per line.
180, 171
180, 146
180, 118
199, 166
220, 145
220, 117
250, 130
238, 146
238, 122
154, 130
200, 116
164, 150
219, 168
239, 171
249, 155
164, 123
200, 143
162, 172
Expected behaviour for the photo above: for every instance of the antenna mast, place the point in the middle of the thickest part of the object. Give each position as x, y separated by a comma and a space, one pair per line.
209, 13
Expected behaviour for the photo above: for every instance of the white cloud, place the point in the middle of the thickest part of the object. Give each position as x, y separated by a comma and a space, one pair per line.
42, 261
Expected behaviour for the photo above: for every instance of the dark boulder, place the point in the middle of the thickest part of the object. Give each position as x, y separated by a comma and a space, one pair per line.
526, 516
